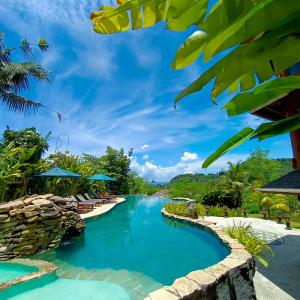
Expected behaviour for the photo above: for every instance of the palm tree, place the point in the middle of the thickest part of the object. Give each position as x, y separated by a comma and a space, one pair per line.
234, 182
15, 77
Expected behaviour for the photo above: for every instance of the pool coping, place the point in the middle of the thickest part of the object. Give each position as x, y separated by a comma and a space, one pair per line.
102, 210
44, 268
197, 282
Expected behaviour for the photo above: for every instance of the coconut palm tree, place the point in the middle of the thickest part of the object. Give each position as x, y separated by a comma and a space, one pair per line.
234, 183
16, 77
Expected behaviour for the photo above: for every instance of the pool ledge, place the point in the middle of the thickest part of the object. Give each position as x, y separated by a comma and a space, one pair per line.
102, 209
44, 268
231, 278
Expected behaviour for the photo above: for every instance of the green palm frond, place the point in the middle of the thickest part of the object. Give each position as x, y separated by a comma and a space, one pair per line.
18, 103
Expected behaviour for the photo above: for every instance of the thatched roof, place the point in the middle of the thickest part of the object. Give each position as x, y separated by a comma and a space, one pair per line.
287, 184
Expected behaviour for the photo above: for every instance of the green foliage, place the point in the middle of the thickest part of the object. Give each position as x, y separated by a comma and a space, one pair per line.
233, 142
116, 165
257, 247
192, 190
200, 209
260, 169
27, 138
137, 14
138, 185
15, 77
179, 209
217, 197
218, 211
194, 178
259, 39
182, 209
15, 167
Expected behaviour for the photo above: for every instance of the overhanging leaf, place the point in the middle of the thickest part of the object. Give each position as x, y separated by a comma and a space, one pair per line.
262, 95
271, 129
179, 15
233, 142
189, 50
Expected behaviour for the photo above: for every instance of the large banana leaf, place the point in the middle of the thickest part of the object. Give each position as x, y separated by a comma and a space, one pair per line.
233, 142
263, 95
252, 19
271, 129
249, 60
264, 131
136, 14
190, 50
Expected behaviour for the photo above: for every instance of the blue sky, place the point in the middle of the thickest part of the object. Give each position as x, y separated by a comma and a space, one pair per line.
118, 90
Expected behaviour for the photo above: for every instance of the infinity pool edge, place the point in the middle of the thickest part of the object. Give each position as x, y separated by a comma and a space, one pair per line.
231, 278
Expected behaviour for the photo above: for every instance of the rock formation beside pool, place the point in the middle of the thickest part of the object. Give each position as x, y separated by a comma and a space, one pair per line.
35, 223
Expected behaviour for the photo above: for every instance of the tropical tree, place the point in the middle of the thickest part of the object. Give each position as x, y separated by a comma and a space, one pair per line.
15, 169
234, 183
259, 39
116, 164
17, 76
27, 138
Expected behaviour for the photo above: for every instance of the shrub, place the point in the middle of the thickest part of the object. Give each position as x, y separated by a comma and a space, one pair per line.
219, 198
179, 209
182, 209
200, 209
192, 190
216, 211
257, 247
235, 212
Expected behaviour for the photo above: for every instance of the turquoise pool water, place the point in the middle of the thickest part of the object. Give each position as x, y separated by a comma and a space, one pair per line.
10, 271
125, 254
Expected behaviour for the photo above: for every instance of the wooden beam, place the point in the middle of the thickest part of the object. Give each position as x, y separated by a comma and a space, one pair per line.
292, 109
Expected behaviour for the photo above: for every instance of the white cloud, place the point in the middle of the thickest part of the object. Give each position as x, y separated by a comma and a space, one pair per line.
145, 146
251, 121
152, 171
187, 156
146, 157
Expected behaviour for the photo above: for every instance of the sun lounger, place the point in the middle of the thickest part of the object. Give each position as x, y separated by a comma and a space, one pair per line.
105, 196
83, 206
96, 201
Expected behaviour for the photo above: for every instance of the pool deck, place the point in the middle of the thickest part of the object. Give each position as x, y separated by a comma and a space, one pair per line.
281, 279
104, 208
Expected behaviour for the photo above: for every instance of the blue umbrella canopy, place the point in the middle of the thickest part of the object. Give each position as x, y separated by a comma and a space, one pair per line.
58, 172
101, 177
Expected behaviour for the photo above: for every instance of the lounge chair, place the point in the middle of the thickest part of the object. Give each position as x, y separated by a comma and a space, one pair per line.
105, 196
103, 199
96, 201
83, 207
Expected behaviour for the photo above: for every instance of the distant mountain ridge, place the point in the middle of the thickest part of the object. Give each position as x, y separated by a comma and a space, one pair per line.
285, 167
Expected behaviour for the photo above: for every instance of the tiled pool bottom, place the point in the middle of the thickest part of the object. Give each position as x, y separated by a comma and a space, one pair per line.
70, 283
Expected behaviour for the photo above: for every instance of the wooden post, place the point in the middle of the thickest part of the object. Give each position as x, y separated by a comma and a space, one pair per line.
293, 108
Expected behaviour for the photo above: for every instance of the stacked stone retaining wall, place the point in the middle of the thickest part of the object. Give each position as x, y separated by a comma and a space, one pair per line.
34, 223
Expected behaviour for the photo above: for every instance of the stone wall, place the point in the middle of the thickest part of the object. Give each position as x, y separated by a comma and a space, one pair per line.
231, 278
34, 223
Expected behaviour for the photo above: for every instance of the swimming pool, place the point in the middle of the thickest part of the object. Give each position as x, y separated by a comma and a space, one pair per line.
11, 271
125, 254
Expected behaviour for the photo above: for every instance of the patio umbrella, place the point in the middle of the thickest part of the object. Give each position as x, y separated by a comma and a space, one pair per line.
101, 177
58, 172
